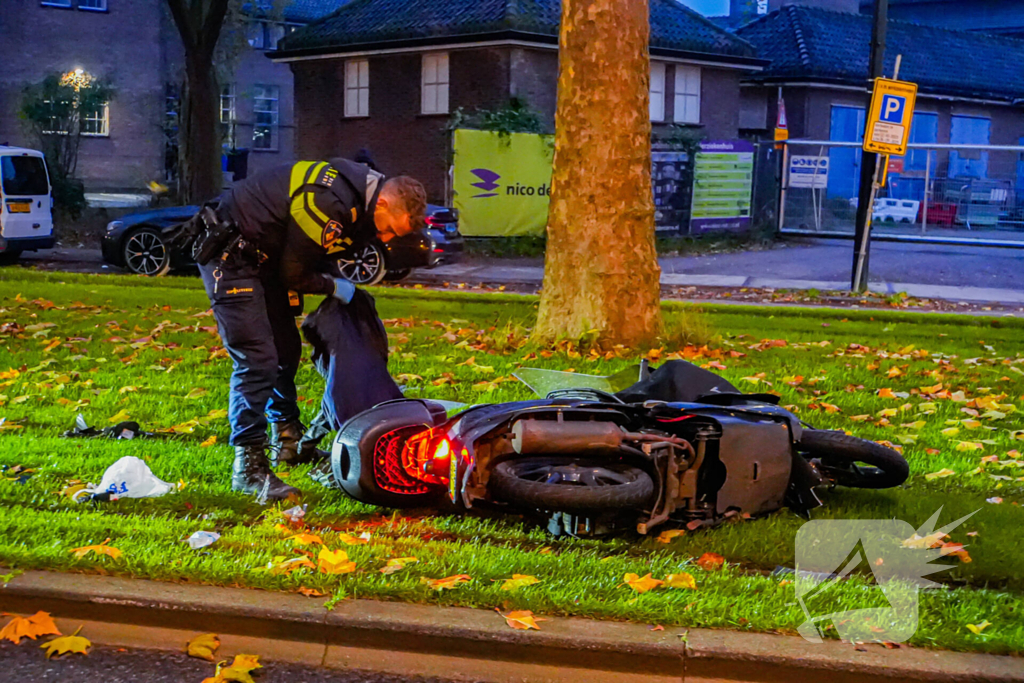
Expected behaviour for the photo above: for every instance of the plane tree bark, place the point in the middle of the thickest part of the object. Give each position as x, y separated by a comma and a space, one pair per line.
601, 275
199, 23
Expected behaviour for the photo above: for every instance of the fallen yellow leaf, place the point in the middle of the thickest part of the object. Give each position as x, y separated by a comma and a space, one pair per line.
668, 535
519, 581
209, 442
682, 580
976, 629
349, 539
396, 564
39, 624
641, 584
65, 644
941, 474
311, 592
336, 562
305, 539
101, 549
522, 620
448, 582
203, 646
121, 416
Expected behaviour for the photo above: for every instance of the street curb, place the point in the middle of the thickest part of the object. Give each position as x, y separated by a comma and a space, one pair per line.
458, 640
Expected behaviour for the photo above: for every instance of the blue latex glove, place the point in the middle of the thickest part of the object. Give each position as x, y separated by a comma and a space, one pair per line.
343, 290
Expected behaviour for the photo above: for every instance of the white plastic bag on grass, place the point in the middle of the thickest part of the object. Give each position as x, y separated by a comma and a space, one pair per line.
129, 477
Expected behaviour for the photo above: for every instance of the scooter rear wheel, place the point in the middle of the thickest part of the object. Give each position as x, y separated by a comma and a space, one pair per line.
570, 485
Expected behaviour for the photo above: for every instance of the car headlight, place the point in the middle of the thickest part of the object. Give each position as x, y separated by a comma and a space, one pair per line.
114, 225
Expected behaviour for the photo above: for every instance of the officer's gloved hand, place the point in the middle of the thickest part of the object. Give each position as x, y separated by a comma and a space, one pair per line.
343, 290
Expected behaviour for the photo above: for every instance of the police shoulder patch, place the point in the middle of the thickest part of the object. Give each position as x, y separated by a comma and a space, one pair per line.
334, 239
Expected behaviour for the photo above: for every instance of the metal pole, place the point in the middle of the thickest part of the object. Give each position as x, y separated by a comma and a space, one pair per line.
860, 267
783, 182
869, 161
927, 189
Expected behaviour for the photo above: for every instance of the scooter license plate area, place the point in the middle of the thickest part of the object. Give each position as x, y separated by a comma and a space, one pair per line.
757, 457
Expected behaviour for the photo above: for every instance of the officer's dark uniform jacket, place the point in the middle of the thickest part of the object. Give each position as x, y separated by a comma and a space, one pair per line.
303, 216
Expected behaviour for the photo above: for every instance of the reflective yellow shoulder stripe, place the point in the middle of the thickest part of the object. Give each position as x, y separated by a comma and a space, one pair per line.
299, 173
304, 172
303, 215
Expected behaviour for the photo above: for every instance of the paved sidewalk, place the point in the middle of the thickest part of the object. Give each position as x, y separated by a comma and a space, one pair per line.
500, 274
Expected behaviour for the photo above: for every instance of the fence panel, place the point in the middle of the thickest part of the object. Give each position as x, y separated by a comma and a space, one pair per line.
940, 191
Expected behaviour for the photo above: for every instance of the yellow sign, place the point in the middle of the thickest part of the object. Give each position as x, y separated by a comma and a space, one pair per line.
502, 183
892, 110
781, 134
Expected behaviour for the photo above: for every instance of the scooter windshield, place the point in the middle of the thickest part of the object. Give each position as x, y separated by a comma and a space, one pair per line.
543, 382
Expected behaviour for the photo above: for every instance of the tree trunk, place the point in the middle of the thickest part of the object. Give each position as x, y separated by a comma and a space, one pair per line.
601, 270
199, 24
199, 145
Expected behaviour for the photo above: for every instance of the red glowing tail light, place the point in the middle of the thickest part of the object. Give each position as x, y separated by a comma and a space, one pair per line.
427, 457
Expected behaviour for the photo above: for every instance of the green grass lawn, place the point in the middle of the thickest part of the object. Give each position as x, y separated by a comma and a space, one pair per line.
112, 346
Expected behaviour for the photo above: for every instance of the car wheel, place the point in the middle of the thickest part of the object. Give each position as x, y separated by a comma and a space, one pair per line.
366, 267
397, 275
145, 253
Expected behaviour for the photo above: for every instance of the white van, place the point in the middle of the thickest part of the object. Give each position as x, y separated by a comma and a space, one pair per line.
26, 218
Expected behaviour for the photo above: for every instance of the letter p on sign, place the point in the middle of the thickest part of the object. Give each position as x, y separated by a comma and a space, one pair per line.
892, 109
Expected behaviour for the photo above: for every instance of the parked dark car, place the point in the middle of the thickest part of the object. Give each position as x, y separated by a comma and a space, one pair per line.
135, 242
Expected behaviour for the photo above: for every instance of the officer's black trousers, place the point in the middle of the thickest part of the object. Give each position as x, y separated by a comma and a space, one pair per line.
258, 330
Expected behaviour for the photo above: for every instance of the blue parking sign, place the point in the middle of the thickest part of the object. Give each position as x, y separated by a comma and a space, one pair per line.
893, 107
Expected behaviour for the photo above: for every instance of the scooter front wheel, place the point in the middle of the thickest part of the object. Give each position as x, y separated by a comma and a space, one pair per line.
848, 461
570, 485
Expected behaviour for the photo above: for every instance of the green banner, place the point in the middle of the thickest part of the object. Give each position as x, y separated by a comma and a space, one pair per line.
502, 183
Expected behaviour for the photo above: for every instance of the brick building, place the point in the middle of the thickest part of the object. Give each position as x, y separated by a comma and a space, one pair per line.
386, 75
135, 45
971, 91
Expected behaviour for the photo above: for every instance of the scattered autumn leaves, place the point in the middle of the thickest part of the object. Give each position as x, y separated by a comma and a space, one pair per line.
41, 624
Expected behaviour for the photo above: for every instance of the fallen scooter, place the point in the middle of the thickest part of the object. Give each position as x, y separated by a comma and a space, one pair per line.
681, 444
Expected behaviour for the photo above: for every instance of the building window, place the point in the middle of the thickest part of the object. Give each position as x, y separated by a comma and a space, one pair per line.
435, 83
94, 5
257, 29
357, 88
265, 107
227, 104
265, 35
228, 114
56, 3
96, 123
687, 98
657, 91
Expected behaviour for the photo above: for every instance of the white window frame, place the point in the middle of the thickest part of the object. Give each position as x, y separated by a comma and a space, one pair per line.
658, 81
262, 93
357, 88
103, 119
434, 83
228, 97
687, 96
102, 6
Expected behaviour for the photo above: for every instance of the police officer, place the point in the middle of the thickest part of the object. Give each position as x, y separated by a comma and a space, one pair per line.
281, 231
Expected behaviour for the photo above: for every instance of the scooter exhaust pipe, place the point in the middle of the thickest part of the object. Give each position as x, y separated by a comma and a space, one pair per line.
568, 438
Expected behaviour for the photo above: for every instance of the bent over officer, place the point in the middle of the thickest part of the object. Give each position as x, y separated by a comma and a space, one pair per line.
281, 231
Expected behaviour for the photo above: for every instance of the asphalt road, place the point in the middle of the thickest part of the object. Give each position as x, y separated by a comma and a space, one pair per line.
26, 663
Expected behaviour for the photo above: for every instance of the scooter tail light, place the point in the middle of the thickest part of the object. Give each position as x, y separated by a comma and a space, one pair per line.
388, 468
427, 457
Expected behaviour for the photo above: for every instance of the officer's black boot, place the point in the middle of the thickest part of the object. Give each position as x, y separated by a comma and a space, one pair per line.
251, 473
284, 443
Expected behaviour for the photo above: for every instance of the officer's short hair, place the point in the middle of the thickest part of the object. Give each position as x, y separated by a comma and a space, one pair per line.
411, 194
